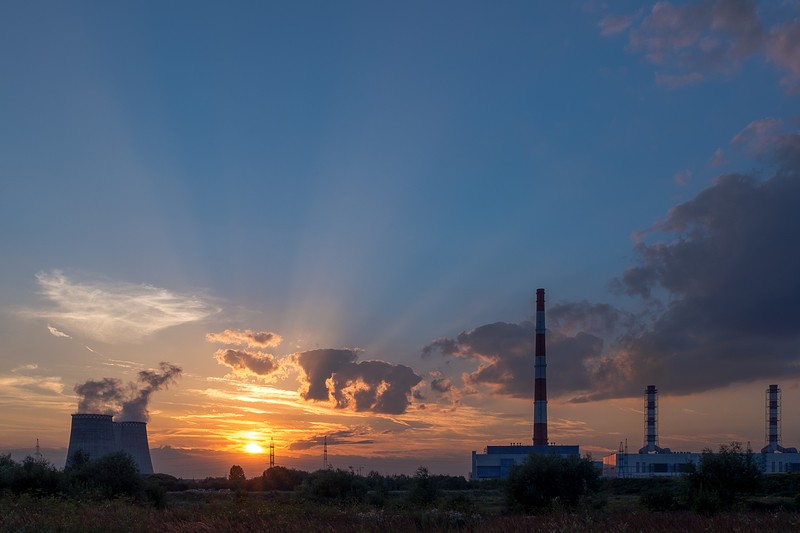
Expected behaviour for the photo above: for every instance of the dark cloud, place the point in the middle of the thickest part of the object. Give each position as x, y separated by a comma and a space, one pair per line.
718, 277
697, 39
348, 436
128, 401
443, 346
258, 363
729, 269
374, 386
441, 385
504, 351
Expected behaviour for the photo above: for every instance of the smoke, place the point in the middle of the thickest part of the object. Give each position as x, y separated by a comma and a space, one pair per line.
127, 401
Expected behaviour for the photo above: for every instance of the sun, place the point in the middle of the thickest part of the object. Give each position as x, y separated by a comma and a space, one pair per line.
252, 447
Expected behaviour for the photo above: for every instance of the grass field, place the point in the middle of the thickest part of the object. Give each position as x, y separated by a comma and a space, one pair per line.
215, 512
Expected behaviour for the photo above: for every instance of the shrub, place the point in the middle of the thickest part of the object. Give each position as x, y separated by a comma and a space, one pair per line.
721, 478
542, 480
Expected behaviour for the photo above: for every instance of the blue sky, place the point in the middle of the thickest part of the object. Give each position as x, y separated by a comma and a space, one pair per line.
374, 177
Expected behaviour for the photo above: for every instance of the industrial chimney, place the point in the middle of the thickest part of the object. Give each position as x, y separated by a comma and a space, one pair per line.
773, 406
650, 422
540, 381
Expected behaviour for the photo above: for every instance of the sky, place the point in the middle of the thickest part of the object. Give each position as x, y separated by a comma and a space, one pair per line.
291, 221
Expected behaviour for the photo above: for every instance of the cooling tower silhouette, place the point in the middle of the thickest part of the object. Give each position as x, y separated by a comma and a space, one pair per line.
98, 435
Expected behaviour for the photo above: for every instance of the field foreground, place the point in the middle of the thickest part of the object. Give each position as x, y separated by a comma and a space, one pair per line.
247, 513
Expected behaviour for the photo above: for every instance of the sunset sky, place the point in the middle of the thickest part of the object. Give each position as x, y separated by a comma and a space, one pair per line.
334, 216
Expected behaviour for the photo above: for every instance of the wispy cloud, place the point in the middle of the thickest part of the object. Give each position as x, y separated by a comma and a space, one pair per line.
111, 312
611, 25
252, 339
56, 333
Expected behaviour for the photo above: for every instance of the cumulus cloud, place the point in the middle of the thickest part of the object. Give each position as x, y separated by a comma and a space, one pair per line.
116, 311
504, 351
129, 401
257, 363
695, 40
718, 280
336, 375
249, 338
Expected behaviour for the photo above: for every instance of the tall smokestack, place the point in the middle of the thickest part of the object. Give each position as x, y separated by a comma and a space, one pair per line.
650, 422
774, 422
540, 381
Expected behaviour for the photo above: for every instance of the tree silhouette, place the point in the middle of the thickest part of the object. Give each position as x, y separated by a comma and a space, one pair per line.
236, 473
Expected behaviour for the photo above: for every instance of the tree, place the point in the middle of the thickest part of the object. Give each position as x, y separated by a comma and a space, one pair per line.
423, 491
282, 478
236, 473
544, 479
721, 478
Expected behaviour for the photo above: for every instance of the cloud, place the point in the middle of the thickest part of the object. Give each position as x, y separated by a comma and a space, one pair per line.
353, 436
682, 177
718, 159
729, 266
116, 311
575, 349
759, 137
783, 43
612, 25
110, 396
716, 279
257, 363
376, 386
55, 333
699, 39
249, 338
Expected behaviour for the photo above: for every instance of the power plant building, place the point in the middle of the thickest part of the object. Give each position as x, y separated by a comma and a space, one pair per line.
98, 435
654, 461
497, 461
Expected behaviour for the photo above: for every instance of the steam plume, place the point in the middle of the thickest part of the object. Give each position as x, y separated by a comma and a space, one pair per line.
110, 396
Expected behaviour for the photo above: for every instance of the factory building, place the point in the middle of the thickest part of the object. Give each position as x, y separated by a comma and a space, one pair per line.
98, 435
655, 461
496, 461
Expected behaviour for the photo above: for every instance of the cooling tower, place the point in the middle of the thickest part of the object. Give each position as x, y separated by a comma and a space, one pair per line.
540, 377
98, 435
93, 434
131, 437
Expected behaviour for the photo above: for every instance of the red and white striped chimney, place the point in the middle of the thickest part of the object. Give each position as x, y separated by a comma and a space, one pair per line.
540, 381
774, 423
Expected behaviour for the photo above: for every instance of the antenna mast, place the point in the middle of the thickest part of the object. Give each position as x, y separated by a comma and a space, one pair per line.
271, 452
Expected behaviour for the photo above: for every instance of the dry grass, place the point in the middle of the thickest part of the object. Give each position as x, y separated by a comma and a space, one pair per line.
219, 514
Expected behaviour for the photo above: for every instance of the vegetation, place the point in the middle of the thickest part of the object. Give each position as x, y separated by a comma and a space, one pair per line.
721, 479
546, 492
543, 481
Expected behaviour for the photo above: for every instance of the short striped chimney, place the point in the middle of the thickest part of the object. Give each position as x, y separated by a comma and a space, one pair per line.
540, 381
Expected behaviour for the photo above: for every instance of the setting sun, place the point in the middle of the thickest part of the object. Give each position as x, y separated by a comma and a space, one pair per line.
252, 447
